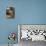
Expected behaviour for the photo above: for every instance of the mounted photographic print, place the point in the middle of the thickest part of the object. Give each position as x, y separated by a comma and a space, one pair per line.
32, 32
10, 12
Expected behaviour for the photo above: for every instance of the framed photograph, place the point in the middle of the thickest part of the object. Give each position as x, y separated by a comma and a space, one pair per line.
10, 12
32, 32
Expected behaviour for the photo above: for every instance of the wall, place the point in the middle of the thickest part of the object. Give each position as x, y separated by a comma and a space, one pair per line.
27, 12
31, 11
